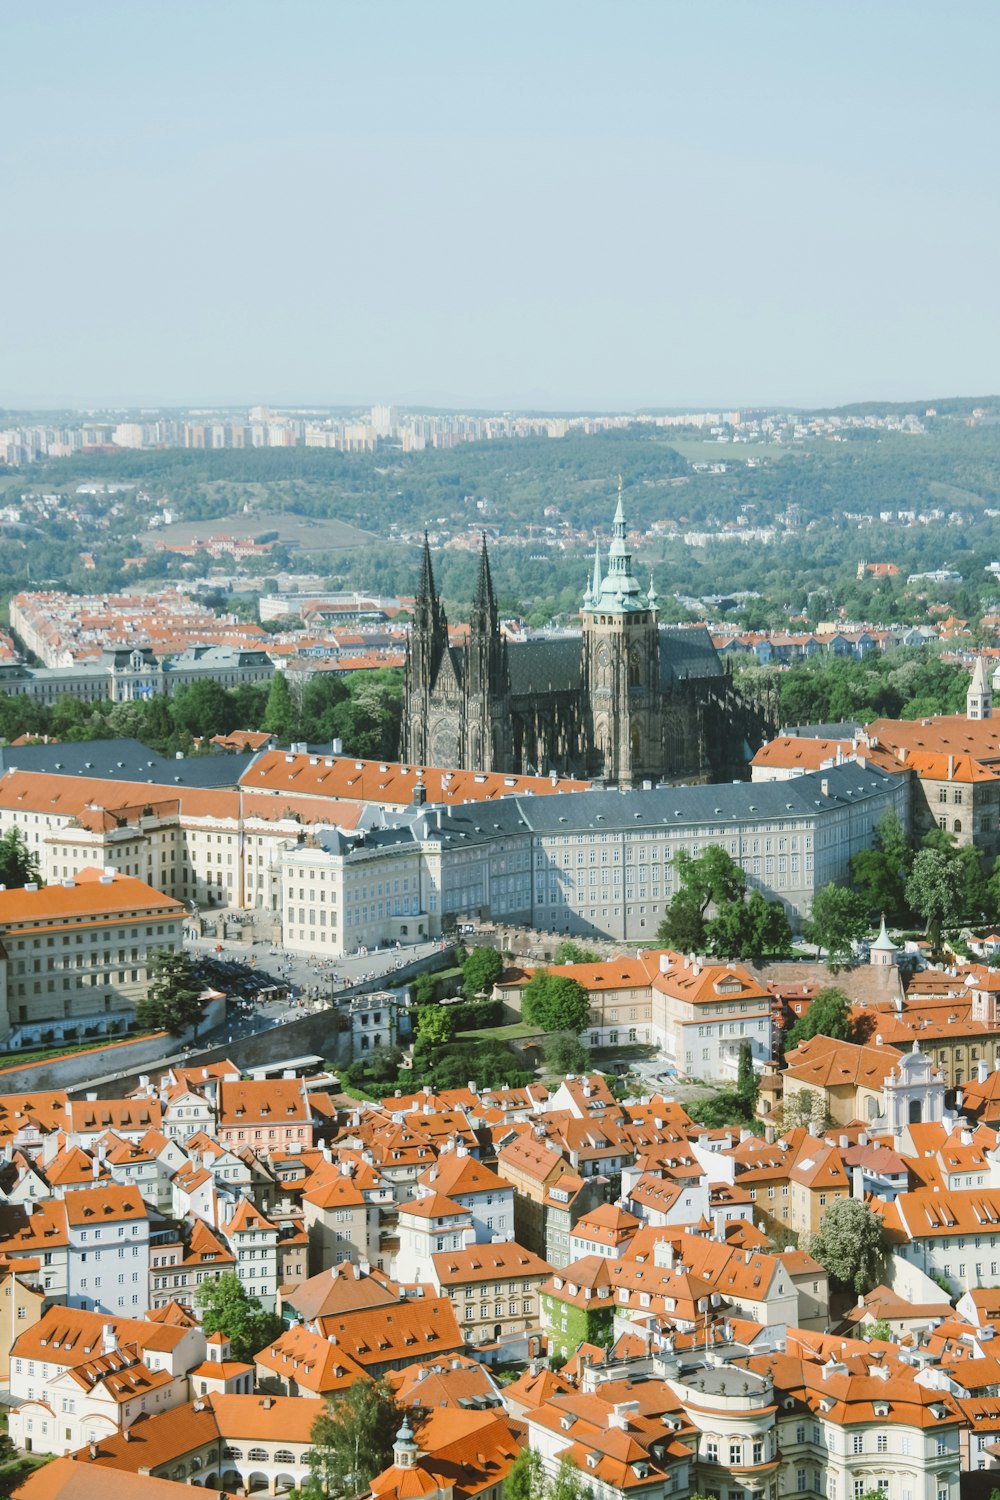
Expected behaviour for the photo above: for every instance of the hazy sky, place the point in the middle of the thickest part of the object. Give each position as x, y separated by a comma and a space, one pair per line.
544, 204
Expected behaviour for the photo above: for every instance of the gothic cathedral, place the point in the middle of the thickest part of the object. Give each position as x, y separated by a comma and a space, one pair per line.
630, 701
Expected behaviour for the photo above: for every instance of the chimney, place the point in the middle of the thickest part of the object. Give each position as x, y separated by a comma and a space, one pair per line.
824, 786
951, 768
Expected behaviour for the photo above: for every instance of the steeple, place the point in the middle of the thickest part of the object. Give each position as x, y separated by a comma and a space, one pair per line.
425, 589
883, 950
484, 599
619, 592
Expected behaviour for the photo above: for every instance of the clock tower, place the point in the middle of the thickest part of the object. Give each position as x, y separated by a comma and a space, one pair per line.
621, 666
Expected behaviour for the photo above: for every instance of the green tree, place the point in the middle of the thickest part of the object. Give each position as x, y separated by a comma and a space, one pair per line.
935, 890
714, 878
525, 1477
829, 1014
839, 917
480, 971
975, 886
555, 1002
569, 952
352, 1440
880, 872
748, 929
18, 865
173, 995
435, 1026
568, 1484
280, 717
728, 1107
746, 1079
423, 989
880, 1329
201, 709
228, 1308
565, 1053
851, 1245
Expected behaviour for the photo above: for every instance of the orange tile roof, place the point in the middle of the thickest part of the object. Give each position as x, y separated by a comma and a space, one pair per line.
103, 1204
794, 752
271, 1101
827, 1063
389, 781
91, 895
502, 1260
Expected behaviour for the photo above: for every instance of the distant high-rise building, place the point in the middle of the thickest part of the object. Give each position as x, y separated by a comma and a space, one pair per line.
385, 420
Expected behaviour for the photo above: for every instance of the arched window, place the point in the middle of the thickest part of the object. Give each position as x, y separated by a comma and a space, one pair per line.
957, 825
257, 1456
284, 1456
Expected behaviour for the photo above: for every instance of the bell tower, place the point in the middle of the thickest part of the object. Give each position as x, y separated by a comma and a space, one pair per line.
620, 669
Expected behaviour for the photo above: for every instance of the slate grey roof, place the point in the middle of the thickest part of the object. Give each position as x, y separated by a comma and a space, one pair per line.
721, 805
687, 651
540, 665
124, 760
545, 664
217, 656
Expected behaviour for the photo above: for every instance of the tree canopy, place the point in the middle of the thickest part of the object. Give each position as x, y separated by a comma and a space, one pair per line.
173, 994
555, 1002
851, 1244
828, 1014
481, 969
18, 865
352, 1440
228, 1308
745, 925
839, 918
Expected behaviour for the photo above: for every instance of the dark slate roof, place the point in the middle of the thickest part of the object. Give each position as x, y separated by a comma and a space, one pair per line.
124, 760
687, 652
720, 804
540, 665
553, 663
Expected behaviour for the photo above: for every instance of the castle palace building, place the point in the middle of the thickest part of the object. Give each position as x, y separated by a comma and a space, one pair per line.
625, 701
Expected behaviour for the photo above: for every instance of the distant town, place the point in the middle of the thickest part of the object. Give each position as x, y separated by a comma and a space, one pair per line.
364, 431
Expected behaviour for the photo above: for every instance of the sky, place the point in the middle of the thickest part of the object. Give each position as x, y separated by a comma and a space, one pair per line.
547, 205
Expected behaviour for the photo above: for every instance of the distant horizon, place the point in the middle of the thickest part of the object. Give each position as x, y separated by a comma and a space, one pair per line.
143, 409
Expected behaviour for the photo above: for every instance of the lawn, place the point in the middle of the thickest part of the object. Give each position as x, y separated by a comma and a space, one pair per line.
512, 1033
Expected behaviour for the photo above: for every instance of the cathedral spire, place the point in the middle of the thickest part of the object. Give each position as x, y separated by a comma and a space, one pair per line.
484, 599
425, 589
596, 589
620, 508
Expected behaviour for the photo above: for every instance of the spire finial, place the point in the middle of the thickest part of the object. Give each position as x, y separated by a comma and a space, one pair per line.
484, 587
426, 589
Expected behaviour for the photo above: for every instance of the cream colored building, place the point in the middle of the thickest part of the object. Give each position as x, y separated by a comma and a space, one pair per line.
81, 949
